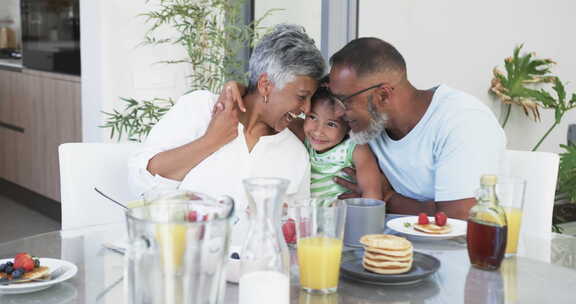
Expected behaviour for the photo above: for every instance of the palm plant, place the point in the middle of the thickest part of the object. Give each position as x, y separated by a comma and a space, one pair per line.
517, 86
212, 32
137, 119
524, 73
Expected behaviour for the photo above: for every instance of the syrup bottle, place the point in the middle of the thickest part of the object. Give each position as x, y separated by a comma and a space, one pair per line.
487, 230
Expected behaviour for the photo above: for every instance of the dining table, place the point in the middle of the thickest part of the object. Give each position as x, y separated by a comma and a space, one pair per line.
543, 271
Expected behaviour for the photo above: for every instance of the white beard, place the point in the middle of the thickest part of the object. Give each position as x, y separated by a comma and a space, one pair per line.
377, 125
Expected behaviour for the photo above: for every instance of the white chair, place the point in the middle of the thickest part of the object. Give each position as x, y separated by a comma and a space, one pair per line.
540, 170
84, 166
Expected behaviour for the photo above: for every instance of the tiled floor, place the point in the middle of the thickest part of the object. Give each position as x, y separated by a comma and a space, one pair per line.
18, 221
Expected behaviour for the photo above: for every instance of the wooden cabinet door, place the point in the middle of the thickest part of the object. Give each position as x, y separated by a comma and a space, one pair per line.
47, 110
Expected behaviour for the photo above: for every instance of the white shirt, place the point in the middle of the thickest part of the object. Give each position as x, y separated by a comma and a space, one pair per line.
221, 173
442, 158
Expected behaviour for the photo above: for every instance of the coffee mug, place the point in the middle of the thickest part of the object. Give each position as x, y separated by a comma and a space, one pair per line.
364, 216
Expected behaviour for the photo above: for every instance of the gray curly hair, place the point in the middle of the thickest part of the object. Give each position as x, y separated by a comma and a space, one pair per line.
284, 53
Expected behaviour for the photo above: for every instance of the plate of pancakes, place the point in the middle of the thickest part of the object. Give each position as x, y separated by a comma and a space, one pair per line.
47, 267
387, 260
408, 225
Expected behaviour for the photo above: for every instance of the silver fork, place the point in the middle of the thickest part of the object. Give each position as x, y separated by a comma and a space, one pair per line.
52, 276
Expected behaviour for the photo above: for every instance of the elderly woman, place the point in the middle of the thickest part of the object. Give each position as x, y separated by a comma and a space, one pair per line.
195, 149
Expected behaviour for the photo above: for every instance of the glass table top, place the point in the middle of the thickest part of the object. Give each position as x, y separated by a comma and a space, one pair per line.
545, 268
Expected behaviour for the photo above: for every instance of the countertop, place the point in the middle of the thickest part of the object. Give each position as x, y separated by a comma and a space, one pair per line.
11, 63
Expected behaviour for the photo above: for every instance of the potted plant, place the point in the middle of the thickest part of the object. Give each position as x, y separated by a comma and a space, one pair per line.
213, 33
519, 86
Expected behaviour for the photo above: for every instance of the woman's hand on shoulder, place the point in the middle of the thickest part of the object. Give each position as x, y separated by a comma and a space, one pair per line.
223, 127
231, 94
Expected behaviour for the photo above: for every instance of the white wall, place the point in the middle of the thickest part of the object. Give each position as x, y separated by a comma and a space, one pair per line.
114, 66
10, 10
459, 42
307, 13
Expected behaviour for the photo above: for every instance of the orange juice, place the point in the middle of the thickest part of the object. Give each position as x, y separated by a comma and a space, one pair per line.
172, 241
319, 260
514, 219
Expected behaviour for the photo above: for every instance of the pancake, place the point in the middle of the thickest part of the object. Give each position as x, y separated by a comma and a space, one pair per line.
382, 257
395, 253
37, 273
386, 242
387, 264
387, 270
433, 228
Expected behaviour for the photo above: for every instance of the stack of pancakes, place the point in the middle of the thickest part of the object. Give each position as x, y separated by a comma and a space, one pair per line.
386, 254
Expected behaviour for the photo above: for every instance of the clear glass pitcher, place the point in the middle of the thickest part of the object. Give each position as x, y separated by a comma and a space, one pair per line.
178, 247
265, 261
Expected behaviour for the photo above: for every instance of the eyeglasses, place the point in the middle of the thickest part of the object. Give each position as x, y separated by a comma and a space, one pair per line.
341, 100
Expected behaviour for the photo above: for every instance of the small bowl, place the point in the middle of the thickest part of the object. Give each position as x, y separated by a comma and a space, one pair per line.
233, 266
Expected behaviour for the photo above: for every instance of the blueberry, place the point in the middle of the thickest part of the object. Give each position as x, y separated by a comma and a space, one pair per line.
9, 264
9, 269
17, 273
36, 263
2, 267
235, 256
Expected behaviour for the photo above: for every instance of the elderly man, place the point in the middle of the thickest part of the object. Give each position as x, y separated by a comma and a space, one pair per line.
432, 145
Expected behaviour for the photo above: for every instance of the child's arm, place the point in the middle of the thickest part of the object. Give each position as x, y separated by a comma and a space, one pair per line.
367, 172
297, 127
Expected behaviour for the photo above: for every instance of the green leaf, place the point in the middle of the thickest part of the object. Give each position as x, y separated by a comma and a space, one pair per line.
560, 91
567, 172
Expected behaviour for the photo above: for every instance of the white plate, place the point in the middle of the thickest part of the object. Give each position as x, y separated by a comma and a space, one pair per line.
53, 264
398, 224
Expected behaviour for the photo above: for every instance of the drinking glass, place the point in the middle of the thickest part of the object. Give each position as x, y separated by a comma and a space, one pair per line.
320, 232
510, 192
178, 246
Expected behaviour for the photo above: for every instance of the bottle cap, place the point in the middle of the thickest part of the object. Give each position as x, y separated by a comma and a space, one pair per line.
488, 180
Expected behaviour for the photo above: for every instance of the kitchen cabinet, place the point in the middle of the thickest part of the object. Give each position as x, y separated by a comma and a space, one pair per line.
38, 112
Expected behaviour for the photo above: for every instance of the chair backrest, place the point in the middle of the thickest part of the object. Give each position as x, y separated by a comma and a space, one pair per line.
540, 170
84, 166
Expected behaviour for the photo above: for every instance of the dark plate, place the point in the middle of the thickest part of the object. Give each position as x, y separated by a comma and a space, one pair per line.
423, 266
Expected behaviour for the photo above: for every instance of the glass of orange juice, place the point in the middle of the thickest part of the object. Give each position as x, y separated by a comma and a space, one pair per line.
320, 232
510, 191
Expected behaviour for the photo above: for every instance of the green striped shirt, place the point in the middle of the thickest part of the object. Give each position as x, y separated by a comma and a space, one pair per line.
325, 166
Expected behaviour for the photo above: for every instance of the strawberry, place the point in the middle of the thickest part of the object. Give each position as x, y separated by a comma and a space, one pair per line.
21, 255
423, 219
192, 216
26, 262
440, 218
289, 230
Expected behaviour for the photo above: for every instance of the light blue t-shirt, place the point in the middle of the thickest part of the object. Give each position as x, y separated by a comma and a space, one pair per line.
456, 141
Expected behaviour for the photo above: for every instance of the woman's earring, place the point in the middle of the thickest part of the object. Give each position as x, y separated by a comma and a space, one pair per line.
265, 99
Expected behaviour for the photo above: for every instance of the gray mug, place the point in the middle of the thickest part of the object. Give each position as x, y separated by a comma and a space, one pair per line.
364, 216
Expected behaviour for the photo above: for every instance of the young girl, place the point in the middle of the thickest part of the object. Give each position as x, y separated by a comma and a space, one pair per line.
331, 150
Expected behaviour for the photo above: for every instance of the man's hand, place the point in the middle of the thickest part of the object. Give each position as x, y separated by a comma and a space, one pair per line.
355, 190
223, 127
231, 95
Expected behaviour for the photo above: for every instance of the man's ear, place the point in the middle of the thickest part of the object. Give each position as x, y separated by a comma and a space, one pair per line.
264, 85
384, 93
